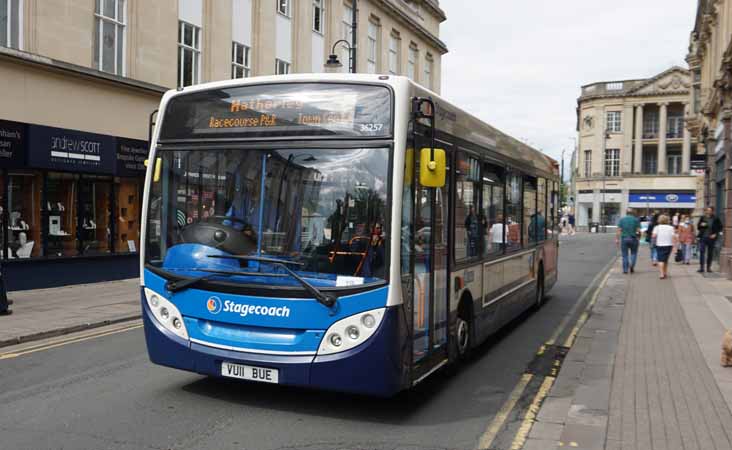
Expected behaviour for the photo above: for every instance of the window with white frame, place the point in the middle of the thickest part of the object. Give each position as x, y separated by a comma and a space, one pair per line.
283, 7
189, 54
412, 62
612, 162
240, 60
318, 16
613, 121
346, 33
373, 46
588, 163
428, 71
281, 67
109, 36
394, 45
11, 21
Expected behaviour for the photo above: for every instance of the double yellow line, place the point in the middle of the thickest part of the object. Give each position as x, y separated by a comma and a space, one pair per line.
495, 426
78, 337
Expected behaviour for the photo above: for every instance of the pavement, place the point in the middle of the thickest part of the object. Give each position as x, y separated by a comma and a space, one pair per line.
43, 313
644, 370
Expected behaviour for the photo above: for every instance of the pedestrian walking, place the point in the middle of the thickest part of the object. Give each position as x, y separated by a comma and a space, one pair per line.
649, 238
571, 224
627, 238
4, 302
707, 232
687, 236
665, 238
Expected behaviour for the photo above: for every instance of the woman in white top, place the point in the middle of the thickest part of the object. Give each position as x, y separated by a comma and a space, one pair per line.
496, 232
665, 236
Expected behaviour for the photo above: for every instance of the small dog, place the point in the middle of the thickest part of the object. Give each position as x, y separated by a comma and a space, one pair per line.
726, 359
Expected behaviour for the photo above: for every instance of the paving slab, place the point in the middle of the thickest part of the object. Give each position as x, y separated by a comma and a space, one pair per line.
42, 313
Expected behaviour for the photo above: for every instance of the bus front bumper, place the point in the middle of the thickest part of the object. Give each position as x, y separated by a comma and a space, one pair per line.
372, 368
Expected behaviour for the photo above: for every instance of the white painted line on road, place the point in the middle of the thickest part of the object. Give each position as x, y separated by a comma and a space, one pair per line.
69, 340
487, 438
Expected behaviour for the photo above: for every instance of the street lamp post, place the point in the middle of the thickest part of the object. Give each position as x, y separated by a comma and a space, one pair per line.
333, 64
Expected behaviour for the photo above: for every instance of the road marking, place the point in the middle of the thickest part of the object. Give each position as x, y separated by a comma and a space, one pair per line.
586, 314
491, 432
68, 340
563, 324
487, 438
523, 432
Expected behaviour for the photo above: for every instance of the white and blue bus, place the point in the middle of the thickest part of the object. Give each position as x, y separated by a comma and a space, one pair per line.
342, 232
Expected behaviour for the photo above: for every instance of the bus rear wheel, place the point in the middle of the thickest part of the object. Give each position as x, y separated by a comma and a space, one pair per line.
464, 331
540, 287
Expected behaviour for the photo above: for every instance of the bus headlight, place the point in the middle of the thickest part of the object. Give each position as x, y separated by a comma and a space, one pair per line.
166, 313
357, 328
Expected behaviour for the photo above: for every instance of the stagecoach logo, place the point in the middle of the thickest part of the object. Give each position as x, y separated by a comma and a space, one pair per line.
214, 305
672, 198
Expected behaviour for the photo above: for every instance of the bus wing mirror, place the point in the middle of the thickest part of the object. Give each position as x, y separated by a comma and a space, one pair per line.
432, 167
158, 163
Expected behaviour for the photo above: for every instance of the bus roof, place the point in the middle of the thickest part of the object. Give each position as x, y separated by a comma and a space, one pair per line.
451, 119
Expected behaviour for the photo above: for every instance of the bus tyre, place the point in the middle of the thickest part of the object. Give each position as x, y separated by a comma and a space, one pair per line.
540, 287
463, 333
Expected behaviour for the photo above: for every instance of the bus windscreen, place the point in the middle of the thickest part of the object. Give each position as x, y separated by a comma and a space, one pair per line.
280, 110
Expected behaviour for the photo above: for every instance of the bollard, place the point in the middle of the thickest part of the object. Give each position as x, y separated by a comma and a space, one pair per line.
4, 302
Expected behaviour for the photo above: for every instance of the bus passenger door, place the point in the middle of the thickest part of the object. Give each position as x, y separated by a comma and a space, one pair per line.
429, 293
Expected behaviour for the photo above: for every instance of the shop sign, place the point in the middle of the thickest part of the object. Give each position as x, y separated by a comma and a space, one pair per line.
70, 150
662, 197
12, 144
131, 156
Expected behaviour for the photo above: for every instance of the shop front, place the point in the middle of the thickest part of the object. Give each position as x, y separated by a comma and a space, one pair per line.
645, 203
70, 205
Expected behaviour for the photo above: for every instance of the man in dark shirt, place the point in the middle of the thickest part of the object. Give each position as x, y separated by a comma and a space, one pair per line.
627, 238
708, 232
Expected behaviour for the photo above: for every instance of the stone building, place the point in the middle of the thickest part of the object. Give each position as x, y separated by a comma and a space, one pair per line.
82, 77
710, 63
633, 149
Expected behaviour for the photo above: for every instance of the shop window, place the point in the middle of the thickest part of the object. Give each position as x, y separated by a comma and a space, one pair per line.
24, 222
513, 212
96, 213
126, 227
62, 214
3, 220
495, 230
529, 233
468, 241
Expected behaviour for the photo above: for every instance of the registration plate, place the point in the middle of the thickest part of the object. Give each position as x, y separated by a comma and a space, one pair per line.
252, 373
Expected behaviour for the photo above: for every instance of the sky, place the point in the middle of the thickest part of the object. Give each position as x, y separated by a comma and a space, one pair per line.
519, 64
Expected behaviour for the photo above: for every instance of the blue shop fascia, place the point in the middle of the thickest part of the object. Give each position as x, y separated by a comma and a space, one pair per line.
70, 205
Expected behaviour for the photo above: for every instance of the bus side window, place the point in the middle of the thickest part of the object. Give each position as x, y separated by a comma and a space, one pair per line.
513, 212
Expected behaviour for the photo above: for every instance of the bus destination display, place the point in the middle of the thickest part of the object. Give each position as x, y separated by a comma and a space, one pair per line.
292, 109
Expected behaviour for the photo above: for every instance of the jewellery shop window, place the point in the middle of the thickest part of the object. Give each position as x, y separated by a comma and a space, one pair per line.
61, 213
24, 215
95, 215
128, 201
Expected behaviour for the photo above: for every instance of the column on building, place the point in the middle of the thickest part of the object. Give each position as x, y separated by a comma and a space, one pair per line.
638, 157
686, 146
626, 153
662, 130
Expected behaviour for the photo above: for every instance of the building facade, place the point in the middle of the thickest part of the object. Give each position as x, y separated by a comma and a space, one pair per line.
633, 149
82, 78
710, 63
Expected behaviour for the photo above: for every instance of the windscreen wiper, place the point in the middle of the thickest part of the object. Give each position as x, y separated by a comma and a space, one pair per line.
322, 297
180, 285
